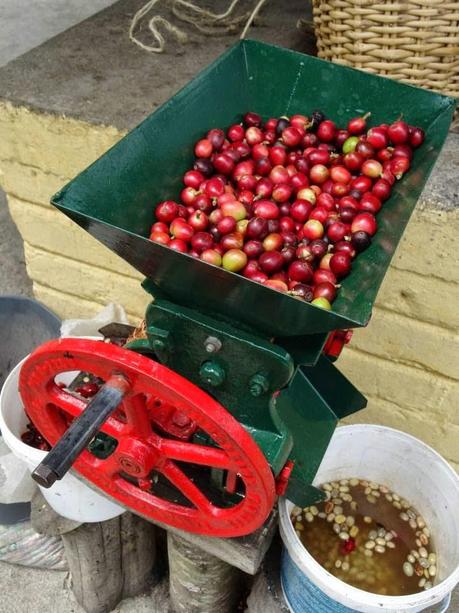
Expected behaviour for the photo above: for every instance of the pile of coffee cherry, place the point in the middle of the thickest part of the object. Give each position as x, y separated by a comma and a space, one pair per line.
33, 438
289, 202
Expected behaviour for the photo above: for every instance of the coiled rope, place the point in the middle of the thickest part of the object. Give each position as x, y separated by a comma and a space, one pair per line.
202, 19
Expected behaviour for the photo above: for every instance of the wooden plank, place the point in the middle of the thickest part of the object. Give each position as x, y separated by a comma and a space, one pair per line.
245, 552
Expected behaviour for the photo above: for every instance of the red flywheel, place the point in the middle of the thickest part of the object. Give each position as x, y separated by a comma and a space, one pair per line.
152, 471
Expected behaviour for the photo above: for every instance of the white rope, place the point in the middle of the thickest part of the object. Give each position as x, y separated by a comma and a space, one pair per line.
255, 12
206, 13
153, 27
207, 22
204, 20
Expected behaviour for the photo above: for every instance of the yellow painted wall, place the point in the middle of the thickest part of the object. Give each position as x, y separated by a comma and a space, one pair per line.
406, 362
71, 272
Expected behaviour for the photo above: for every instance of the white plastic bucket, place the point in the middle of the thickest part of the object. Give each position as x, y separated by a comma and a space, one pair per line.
413, 470
69, 497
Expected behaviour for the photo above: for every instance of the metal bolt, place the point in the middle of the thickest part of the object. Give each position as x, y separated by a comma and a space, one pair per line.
129, 465
212, 344
180, 419
212, 373
157, 344
159, 338
258, 384
44, 476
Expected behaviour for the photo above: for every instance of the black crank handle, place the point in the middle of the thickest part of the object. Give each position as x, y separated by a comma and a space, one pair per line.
81, 432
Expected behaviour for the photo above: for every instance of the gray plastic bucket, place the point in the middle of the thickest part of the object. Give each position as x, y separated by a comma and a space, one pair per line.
24, 325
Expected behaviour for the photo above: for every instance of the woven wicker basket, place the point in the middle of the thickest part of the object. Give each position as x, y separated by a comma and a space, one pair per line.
416, 41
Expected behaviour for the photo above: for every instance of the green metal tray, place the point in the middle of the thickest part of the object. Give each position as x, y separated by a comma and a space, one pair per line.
115, 197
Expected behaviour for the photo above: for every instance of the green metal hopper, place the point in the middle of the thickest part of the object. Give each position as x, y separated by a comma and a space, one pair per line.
114, 198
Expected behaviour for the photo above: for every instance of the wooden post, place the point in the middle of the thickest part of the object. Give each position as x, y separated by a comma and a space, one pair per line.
199, 582
93, 553
138, 556
108, 561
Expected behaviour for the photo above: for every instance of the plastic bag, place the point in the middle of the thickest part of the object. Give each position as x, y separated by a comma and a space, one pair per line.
90, 327
20, 544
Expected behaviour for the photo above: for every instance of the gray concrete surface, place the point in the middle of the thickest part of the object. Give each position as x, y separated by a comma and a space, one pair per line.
13, 275
25, 590
94, 72
24, 24
442, 189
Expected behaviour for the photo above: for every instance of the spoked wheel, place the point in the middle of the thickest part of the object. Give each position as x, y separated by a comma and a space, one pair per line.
151, 469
